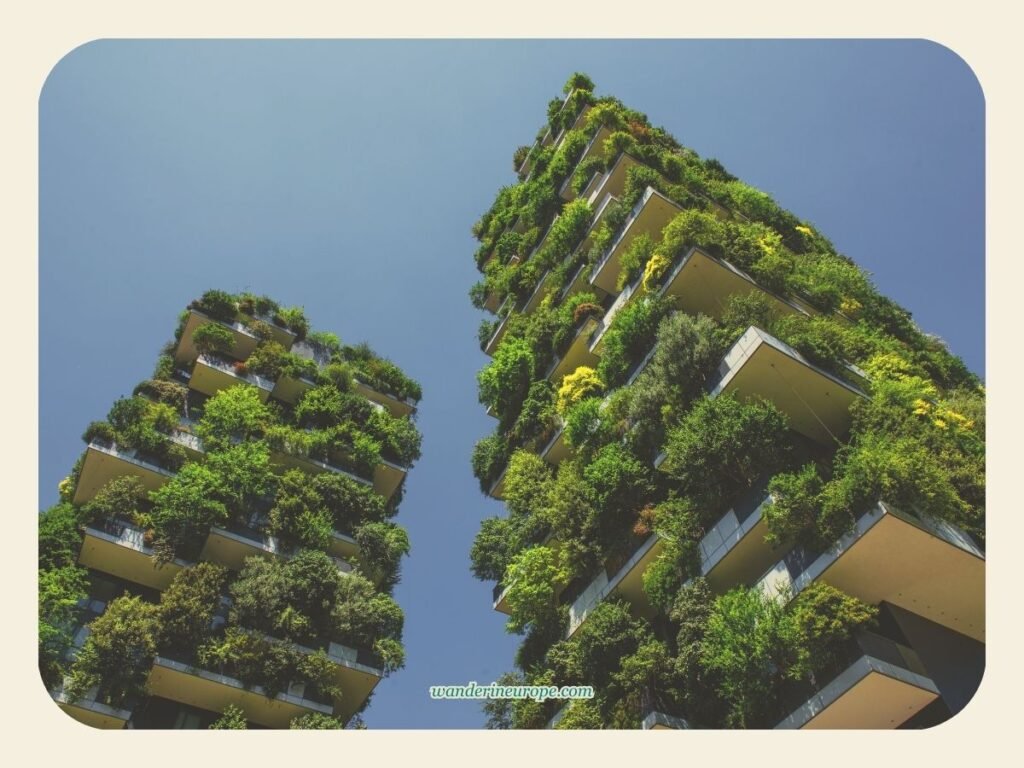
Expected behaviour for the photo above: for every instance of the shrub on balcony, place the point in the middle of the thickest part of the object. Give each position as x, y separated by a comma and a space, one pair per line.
315, 721
184, 508
380, 373
267, 360
324, 406
298, 515
123, 497
582, 383
504, 383
291, 600
187, 608
490, 455
629, 337
399, 439
231, 719
100, 431
578, 80
118, 653
721, 448
361, 617
60, 591
213, 338
534, 578
585, 428
294, 319
219, 305
580, 715
59, 536
349, 503
687, 351
381, 548
233, 414
537, 419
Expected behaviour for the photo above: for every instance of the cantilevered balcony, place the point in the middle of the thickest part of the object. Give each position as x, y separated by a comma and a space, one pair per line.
89, 711
211, 374
104, 462
595, 148
815, 402
119, 548
284, 458
557, 449
606, 206
879, 684
734, 552
498, 596
244, 341
702, 283
357, 673
398, 406
232, 544
928, 567
577, 353
649, 216
290, 389
197, 687
624, 583
611, 182
283, 336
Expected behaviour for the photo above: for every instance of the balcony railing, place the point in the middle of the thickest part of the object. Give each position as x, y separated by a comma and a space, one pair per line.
873, 682
926, 566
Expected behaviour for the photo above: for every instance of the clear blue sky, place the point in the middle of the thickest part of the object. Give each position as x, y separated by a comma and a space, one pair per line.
345, 176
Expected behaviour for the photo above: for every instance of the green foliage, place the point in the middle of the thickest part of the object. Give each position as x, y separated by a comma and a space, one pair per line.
633, 259
299, 515
584, 428
578, 80
381, 374
267, 360
185, 507
629, 337
504, 383
118, 653
534, 578
59, 537
315, 721
824, 617
687, 351
233, 414
213, 338
219, 305
399, 439
722, 447
580, 715
361, 616
489, 457
231, 719
291, 600
381, 548
242, 477
121, 497
60, 591
187, 608
294, 319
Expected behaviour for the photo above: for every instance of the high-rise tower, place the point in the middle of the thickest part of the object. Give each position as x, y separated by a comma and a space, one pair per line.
223, 552
742, 488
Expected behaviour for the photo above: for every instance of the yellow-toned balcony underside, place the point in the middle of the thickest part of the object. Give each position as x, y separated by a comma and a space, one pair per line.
210, 691
868, 695
244, 341
901, 563
94, 714
125, 556
816, 404
653, 215
210, 378
104, 463
396, 406
703, 284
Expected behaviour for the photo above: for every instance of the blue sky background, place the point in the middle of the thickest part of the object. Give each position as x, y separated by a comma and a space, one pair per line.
345, 175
